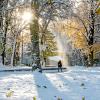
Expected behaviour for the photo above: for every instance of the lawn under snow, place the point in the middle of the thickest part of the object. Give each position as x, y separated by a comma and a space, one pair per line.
73, 84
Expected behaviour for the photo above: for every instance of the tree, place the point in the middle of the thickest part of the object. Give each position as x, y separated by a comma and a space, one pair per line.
4, 27
87, 18
90, 27
15, 26
81, 27
34, 29
49, 42
1, 26
47, 11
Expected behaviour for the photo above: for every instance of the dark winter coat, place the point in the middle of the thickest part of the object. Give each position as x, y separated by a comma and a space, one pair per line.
60, 64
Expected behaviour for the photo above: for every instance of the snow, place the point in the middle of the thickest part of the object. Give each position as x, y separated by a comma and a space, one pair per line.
1, 65
55, 58
3, 68
75, 83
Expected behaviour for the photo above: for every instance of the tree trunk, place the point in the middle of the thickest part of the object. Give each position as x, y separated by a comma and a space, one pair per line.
13, 52
5, 32
91, 35
16, 55
91, 58
1, 25
34, 28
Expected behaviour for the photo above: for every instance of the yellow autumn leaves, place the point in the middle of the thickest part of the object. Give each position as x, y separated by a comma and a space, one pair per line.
74, 31
98, 8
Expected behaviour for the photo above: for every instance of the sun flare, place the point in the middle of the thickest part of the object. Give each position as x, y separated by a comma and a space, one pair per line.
27, 16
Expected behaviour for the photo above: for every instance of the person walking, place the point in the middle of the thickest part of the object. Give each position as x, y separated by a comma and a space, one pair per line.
59, 65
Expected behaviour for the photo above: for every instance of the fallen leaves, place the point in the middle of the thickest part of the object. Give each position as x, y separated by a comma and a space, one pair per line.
9, 93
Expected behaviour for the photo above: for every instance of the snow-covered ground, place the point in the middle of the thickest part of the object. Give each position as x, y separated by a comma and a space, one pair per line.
73, 84
2, 68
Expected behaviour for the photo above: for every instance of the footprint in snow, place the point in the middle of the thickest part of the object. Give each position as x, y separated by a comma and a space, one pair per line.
38, 86
58, 98
74, 79
60, 86
84, 88
41, 86
82, 84
45, 86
